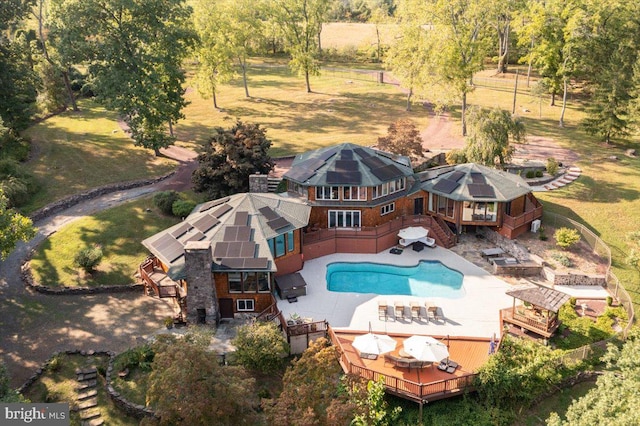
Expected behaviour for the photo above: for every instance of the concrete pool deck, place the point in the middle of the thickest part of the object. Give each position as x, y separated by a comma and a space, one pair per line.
475, 314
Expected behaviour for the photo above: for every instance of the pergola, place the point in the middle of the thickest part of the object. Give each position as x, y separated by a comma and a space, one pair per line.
539, 310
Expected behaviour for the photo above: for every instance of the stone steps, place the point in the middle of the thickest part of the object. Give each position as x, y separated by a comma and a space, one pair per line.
87, 394
93, 422
88, 403
90, 414
87, 397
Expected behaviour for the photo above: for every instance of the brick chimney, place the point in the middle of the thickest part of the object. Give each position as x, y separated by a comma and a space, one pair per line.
202, 299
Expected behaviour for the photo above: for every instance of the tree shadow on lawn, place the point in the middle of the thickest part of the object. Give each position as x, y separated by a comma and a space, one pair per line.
587, 188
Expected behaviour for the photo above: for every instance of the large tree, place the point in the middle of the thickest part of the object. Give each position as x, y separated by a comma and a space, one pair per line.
615, 399
301, 23
311, 390
17, 78
491, 136
188, 386
610, 48
456, 43
230, 156
136, 49
13, 227
402, 138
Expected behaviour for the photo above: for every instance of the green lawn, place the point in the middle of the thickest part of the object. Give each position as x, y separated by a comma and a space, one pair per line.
76, 151
118, 230
341, 108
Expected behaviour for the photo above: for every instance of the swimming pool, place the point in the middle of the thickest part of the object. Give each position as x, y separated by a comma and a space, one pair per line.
426, 279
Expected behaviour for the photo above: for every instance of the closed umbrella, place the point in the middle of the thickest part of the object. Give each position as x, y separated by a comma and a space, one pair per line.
376, 344
426, 348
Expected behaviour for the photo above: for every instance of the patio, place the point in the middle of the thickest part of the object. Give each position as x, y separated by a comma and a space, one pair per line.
475, 314
423, 383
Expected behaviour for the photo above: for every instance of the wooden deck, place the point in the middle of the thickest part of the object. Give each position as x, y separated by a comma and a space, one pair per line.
417, 384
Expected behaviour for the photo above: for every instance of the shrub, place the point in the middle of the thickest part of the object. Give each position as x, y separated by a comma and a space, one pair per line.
55, 363
572, 302
530, 174
542, 236
552, 166
539, 173
88, 258
182, 208
164, 201
562, 259
609, 300
566, 237
261, 347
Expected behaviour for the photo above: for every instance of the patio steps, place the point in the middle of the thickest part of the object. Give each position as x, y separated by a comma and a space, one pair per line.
569, 176
87, 397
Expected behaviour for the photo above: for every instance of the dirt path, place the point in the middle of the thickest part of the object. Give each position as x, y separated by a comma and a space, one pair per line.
33, 326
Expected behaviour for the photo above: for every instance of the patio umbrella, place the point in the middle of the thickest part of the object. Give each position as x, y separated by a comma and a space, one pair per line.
426, 348
376, 344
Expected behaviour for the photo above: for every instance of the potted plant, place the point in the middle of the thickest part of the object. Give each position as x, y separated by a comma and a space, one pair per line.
168, 322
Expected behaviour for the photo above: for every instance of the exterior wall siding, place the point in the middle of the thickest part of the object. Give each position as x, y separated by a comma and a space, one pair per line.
261, 300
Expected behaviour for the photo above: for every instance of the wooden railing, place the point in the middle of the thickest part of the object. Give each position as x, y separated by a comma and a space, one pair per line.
270, 313
514, 222
443, 234
545, 329
407, 389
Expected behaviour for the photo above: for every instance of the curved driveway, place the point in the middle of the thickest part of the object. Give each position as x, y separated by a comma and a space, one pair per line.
33, 326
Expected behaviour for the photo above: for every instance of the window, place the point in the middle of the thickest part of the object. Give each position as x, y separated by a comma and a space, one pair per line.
389, 188
244, 305
354, 193
263, 282
344, 218
388, 208
280, 246
250, 284
290, 241
327, 192
235, 282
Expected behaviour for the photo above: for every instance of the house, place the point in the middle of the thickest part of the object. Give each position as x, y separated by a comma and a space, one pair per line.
224, 256
466, 196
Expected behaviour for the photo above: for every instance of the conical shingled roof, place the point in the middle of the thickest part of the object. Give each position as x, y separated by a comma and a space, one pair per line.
473, 182
252, 218
348, 164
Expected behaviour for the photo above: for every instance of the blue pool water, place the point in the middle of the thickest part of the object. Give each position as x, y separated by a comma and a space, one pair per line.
426, 279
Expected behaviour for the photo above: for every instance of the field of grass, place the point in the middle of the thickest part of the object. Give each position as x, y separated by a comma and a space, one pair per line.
76, 151
118, 230
341, 108
60, 386
606, 197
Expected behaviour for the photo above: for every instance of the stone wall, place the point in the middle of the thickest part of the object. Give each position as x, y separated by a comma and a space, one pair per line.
513, 247
65, 203
572, 278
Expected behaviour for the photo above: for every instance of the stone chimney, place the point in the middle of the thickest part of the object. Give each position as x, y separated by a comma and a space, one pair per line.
202, 298
258, 183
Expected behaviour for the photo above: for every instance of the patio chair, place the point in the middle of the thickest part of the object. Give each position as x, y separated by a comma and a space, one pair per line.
399, 309
382, 310
415, 311
432, 312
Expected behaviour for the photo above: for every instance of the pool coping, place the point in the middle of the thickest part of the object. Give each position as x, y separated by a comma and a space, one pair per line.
475, 314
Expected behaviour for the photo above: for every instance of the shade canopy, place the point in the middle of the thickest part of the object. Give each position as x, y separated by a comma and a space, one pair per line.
426, 348
413, 233
377, 344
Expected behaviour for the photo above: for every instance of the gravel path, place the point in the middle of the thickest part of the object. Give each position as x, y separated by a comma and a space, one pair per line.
33, 325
